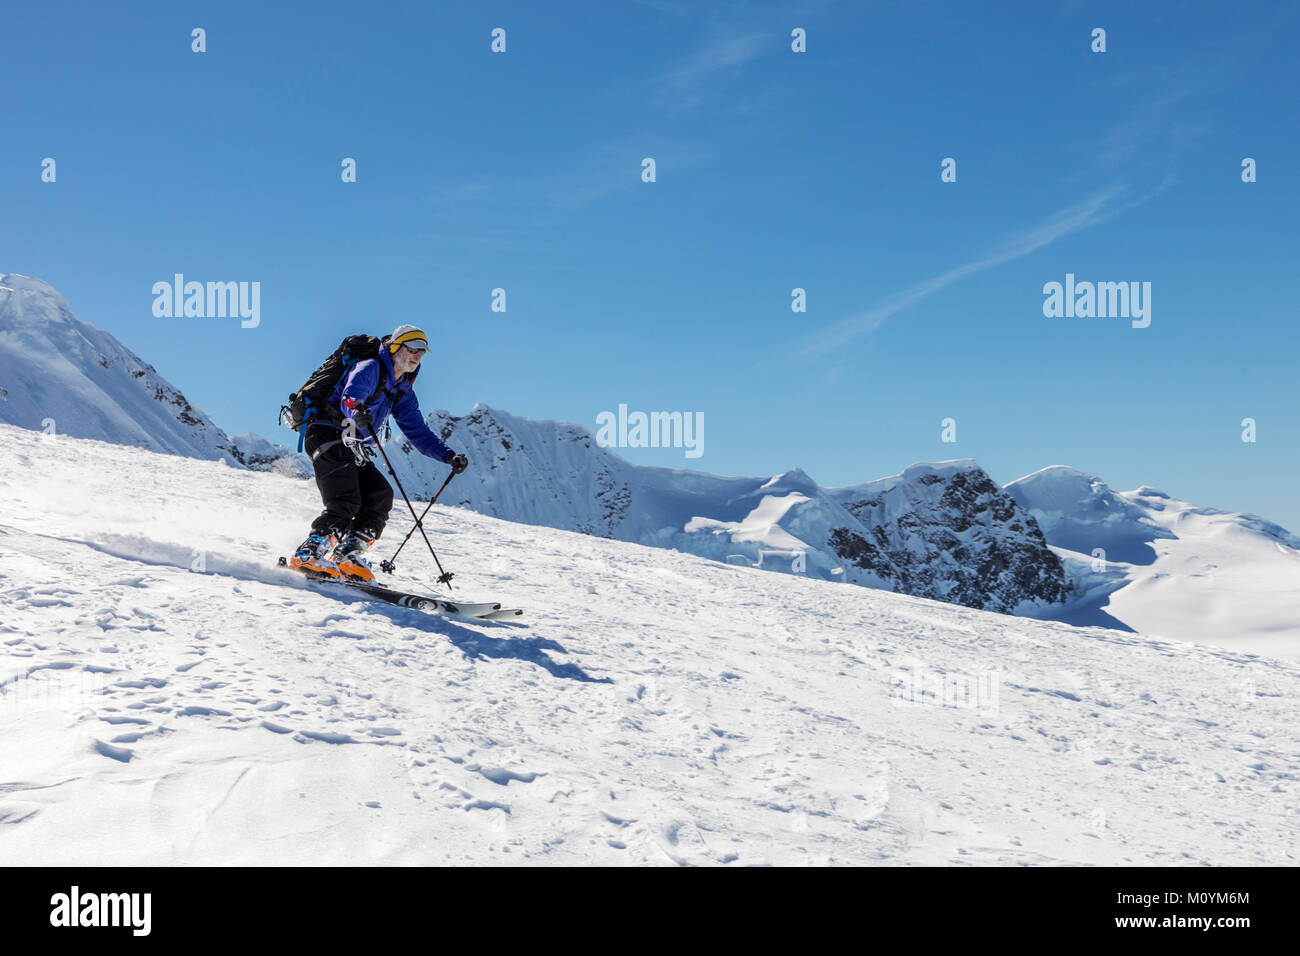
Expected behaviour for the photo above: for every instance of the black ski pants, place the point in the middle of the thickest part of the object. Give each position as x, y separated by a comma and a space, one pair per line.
357, 498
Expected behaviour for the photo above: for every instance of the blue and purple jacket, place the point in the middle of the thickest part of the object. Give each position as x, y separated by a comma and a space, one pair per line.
398, 399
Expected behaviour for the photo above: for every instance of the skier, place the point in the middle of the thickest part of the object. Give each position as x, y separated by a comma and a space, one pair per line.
356, 495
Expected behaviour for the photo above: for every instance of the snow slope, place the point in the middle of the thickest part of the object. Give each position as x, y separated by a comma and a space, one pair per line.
1170, 568
170, 697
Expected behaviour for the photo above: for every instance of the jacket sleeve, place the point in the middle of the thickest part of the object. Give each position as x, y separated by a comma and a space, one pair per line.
409, 420
361, 381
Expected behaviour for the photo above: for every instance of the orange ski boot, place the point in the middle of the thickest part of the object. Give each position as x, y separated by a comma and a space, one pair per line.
349, 557
311, 556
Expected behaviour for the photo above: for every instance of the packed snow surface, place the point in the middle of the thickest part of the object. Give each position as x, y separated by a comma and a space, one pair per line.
169, 696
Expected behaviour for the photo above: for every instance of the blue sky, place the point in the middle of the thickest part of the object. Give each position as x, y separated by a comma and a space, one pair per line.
775, 170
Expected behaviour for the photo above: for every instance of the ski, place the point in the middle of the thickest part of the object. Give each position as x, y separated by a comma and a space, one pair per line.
504, 614
490, 610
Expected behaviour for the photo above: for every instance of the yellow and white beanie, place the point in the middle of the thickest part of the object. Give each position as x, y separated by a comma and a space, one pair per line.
409, 336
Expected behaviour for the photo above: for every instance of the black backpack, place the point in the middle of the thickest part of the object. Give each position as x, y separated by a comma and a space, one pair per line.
312, 401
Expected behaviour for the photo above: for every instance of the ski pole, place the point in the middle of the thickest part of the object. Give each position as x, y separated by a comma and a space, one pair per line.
389, 564
444, 577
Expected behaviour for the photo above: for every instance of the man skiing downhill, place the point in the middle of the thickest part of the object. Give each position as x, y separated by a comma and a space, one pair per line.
356, 495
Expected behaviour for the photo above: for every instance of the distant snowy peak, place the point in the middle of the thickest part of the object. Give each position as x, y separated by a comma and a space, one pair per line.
60, 373
258, 454
794, 480
912, 475
1079, 512
1147, 561
64, 374
945, 530
1173, 516
535, 471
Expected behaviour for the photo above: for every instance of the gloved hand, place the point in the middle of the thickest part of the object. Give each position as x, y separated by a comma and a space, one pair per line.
364, 420
458, 463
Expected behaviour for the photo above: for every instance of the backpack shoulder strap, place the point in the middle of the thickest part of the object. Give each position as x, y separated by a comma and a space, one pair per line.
383, 372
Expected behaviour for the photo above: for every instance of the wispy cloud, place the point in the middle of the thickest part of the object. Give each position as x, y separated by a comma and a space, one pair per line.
594, 173
601, 170
1144, 145
687, 83
718, 55
1159, 126
1096, 209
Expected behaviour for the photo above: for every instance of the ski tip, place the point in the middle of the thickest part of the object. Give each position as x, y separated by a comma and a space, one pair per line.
283, 562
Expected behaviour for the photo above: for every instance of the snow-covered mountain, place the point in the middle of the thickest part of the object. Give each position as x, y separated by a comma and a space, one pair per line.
1144, 560
1057, 543
62, 375
257, 454
946, 531
1077, 511
170, 697
940, 530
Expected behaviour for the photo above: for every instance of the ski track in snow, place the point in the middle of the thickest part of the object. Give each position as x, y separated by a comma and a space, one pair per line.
171, 697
